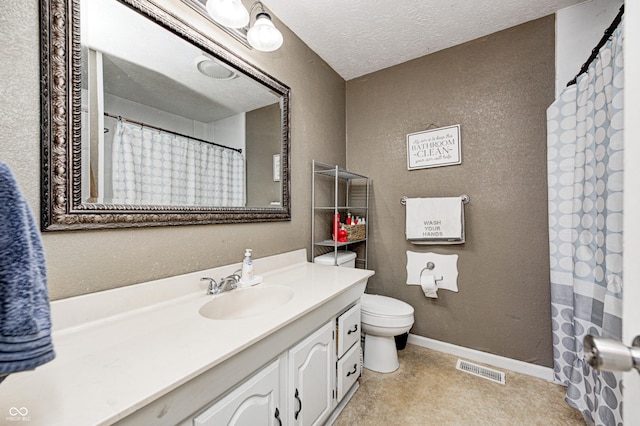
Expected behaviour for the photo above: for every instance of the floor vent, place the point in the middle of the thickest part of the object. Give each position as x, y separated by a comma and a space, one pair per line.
480, 371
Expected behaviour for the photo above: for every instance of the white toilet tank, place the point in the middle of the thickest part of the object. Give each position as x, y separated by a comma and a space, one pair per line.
346, 259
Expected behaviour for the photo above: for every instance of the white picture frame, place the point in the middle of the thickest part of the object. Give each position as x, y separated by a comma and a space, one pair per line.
434, 148
276, 167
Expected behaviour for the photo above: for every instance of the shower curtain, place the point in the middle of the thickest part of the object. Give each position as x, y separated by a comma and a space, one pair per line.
160, 168
584, 153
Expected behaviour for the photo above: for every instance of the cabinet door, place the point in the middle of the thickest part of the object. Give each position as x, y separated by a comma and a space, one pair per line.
348, 371
255, 402
312, 377
348, 329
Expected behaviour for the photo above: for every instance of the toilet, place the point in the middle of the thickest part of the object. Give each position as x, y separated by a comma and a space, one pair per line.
382, 319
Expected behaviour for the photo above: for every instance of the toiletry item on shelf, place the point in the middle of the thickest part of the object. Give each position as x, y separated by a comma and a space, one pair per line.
247, 266
336, 226
342, 235
348, 219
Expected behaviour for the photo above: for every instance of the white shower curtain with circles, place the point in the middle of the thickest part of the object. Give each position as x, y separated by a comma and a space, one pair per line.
585, 164
160, 168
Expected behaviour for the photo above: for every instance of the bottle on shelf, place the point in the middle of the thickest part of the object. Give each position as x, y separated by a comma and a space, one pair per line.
349, 220
342, 235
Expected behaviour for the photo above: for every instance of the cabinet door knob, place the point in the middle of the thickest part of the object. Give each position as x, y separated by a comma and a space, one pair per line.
355, 328
278, 417
297, 413
355, 370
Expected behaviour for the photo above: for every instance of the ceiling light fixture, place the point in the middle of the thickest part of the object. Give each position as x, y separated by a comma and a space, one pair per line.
263, 35
230, 13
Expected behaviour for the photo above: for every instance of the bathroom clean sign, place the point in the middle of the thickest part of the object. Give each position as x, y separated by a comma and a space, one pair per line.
434, 148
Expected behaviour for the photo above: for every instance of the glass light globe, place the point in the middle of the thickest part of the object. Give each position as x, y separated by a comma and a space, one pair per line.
230, 13
264, 36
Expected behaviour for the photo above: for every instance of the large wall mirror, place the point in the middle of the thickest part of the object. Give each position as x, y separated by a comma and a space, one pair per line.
148, 122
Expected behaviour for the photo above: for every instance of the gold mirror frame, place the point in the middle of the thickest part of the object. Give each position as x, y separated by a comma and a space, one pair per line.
61, 204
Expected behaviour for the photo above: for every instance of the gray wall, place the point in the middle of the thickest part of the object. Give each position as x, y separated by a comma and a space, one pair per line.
89, 261
497, 88
264, 139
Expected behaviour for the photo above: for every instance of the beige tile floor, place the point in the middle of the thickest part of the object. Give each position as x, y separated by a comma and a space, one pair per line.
428, 390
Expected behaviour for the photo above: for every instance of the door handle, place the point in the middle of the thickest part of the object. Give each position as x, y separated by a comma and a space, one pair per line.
277, 416
297, 413
355, 328
611, 355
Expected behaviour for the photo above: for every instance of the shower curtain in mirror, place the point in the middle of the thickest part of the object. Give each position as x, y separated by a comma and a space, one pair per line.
160, 168
584, 153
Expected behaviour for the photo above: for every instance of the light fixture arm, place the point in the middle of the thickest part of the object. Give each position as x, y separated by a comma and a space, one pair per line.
252, 8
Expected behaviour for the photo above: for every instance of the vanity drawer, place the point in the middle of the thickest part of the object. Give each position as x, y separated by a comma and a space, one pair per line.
348, 329
348, 371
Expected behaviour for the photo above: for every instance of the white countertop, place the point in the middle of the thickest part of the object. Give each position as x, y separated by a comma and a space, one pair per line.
121, 349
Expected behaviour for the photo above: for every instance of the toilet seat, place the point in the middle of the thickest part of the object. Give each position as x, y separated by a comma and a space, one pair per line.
382, 311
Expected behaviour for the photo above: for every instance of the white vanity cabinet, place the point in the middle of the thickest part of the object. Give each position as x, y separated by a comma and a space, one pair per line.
256, 402
315, 375
312, 377
190, 369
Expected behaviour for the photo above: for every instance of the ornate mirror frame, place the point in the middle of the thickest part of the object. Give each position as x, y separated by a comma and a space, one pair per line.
62, 207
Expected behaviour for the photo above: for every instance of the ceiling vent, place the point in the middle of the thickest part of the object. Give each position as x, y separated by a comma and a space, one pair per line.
214, 69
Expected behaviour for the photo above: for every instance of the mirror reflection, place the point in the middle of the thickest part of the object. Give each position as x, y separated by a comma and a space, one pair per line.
166, 123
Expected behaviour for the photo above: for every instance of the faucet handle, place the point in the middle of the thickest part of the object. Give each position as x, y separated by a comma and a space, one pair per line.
213, 285
237, 276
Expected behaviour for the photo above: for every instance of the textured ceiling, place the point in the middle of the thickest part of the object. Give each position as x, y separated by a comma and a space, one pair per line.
357, 37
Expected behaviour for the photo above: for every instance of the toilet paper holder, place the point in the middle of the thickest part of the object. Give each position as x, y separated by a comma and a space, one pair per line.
430, 267
422, 264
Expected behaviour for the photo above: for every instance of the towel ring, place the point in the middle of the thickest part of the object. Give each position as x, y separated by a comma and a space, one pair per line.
465, 199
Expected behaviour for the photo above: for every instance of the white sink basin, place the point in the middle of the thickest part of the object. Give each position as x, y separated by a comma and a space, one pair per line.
246, 302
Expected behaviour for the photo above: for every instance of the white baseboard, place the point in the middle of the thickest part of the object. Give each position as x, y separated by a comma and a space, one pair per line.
522, 367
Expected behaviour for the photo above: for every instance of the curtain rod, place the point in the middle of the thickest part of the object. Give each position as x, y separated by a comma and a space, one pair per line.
140, 123
596, 50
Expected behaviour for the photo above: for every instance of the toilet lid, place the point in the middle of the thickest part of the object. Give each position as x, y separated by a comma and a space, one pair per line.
384, 306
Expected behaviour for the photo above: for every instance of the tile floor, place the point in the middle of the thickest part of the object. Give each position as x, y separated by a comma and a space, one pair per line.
428, 390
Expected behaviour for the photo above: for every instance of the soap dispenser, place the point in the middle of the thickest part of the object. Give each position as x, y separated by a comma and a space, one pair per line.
247, 266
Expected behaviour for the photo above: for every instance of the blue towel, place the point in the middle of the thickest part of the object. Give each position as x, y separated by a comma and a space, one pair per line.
25, 317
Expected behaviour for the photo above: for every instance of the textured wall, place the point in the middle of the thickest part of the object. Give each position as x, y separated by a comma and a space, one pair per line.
88, 261
497, 88
264, 136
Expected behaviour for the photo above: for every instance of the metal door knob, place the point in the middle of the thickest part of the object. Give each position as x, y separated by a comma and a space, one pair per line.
611, 355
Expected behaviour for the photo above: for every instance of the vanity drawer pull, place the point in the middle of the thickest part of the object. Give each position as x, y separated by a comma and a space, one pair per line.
355, 328
355, 370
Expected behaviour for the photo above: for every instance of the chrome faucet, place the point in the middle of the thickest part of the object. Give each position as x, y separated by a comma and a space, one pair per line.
225, 284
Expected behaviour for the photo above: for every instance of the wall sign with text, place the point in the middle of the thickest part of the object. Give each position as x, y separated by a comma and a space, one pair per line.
434, 148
